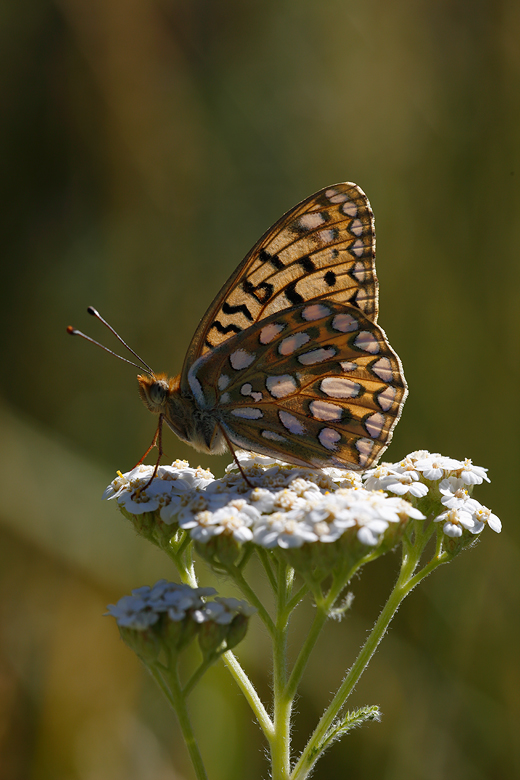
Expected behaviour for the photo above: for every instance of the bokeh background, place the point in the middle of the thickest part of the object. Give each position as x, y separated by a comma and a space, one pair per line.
145, 145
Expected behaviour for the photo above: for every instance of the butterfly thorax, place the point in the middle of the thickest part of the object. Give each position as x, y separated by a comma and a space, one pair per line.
162, 395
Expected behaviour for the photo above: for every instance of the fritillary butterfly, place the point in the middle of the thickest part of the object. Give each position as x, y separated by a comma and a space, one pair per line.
288, 361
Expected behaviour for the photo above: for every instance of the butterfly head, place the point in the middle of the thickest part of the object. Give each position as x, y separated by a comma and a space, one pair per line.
162, 395
156, 390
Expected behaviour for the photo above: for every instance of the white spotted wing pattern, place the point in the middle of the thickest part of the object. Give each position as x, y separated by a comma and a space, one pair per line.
315, 384
289, 361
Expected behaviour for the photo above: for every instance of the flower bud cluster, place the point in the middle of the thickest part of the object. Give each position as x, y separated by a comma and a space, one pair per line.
169, 616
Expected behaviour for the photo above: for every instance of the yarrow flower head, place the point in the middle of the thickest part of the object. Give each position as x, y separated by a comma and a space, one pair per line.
292, 508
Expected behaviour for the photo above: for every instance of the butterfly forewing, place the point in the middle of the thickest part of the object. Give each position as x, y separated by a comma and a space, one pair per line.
316, 384
324, 248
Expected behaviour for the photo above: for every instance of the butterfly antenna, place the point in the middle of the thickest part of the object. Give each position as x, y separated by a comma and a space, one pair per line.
75, 332
94, 312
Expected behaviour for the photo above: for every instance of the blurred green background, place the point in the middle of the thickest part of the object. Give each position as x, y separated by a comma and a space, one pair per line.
145, 146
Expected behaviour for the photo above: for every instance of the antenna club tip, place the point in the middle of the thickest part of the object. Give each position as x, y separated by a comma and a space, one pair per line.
93, 311
71, 330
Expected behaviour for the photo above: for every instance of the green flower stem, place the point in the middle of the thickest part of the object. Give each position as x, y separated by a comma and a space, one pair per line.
251, 596
182, 542
298, 596
192, 577
435, 562
181, 554
187, 574
245, 685
177, 700
281, 742
288, 581
305, 652
195, 677
249, 552
438, 544
263, 554
323, 604
156, 672
405, 583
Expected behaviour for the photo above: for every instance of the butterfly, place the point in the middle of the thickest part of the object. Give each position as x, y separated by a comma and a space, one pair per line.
288, 361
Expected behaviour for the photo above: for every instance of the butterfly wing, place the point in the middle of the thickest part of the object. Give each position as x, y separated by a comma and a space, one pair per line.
316, 384
323, 248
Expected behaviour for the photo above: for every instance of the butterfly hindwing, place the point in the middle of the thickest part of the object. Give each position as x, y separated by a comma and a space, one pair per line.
315, 384
323, 248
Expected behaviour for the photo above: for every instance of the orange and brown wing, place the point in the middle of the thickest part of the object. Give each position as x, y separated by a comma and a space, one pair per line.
322, 249
317, 384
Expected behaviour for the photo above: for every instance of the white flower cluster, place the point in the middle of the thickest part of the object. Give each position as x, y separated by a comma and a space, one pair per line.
288, 518
146, 604
135, 493
291, 506
452, 478
463, 512
403, 477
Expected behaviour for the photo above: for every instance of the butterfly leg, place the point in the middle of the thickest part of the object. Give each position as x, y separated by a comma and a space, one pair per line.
231, 449
156, 441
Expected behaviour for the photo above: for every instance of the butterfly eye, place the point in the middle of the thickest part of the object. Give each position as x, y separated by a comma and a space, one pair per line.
154, 392
158, 391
